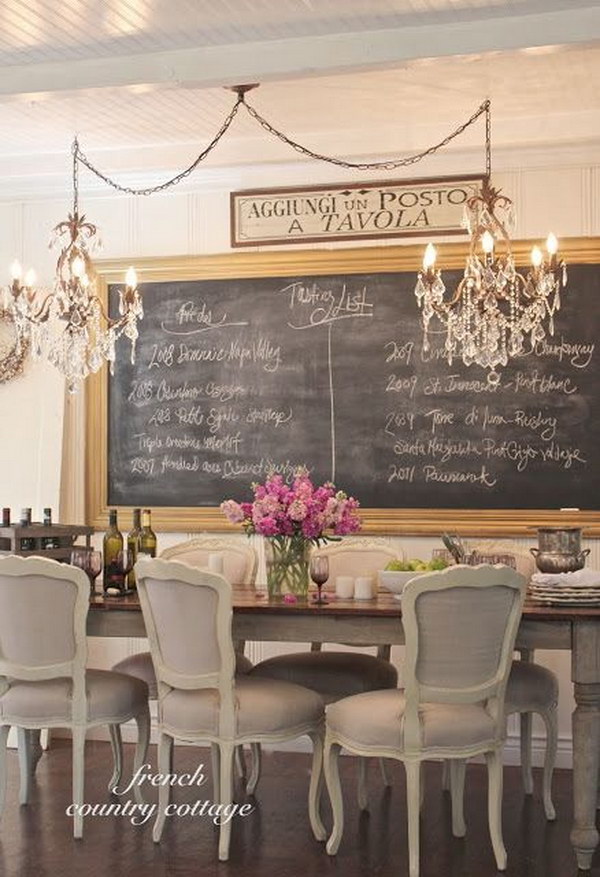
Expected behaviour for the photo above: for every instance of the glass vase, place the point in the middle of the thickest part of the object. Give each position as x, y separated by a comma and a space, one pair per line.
287, 566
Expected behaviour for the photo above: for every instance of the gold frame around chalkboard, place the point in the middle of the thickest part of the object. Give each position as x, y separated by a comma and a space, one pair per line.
373, 260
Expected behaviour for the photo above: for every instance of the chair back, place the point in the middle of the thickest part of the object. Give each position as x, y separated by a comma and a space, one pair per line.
460, 627
363, 557
43, 609
239, 558
187, 612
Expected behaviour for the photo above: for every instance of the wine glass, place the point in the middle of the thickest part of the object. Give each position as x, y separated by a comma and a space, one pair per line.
89, 561
319, 573
94, 568
79, 558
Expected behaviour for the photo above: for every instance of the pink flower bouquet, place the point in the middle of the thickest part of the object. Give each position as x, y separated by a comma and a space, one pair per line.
296, 509
292, 516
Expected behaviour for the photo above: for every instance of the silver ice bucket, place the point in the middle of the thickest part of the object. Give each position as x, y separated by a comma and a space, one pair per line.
559, 550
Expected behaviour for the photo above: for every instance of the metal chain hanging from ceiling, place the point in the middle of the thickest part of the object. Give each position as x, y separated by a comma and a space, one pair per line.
240, 90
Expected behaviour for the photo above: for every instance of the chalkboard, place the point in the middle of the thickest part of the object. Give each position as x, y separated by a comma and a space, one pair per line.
238, 376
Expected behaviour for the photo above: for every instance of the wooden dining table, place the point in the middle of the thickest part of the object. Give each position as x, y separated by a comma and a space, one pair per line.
378, 622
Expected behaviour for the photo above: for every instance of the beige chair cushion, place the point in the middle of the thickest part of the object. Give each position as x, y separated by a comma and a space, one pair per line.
332, 674
109, 696
141, 667
531, 688
262, 706
375, 719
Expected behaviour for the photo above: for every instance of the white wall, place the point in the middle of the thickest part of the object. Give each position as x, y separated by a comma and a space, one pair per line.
561, 194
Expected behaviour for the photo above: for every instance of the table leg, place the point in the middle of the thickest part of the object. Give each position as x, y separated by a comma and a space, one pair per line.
586, 739
586, 757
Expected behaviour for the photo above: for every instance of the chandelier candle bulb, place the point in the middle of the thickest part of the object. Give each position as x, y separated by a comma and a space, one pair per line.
15, 270
78, 267
131, 278
552, 244
487, 243
30, 279
429, 258
536, 257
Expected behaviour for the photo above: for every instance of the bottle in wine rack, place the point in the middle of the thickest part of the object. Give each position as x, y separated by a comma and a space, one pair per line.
147, 543
49, 541
112, 547
27, 543
133, 544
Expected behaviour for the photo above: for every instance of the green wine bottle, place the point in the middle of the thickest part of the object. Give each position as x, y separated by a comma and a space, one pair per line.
147, 536
133, 544
112, 547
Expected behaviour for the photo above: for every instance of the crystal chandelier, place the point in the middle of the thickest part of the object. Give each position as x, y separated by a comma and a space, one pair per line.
69, 326
496, 312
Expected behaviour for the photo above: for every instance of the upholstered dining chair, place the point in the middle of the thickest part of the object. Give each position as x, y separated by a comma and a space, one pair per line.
188, 615
337, 674
239, 566
43, 678
460, 627
531, 689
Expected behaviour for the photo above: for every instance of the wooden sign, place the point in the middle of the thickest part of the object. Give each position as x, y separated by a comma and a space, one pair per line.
409, 208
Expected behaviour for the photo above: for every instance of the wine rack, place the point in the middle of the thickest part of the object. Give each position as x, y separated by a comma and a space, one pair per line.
36, 540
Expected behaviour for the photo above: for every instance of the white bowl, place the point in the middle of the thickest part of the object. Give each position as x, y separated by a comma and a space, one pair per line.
395, 580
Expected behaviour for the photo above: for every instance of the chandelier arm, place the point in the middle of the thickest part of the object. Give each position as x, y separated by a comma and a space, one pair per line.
80, 156
456, 297
375, 165
43, 312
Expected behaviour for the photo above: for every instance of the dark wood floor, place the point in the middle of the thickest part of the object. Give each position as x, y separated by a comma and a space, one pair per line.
275, 839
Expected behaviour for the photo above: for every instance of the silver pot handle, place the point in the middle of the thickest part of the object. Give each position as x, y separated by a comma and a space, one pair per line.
535, 551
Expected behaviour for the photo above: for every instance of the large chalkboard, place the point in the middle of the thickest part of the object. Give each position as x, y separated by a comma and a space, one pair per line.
237, 376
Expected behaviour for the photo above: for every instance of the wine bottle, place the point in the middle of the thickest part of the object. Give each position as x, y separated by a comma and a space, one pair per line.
49, 541
27, 544
147, 536
133, 543
112, 547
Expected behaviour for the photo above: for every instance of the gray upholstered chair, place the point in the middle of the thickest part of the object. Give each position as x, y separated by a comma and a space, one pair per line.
534, 689
239, 566
337, 674
188, 614
43, 679
531, 689
460, 627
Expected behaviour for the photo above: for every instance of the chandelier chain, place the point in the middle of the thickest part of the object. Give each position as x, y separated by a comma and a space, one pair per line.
151, 190
488, 139
373, 165
484, 108
75, 151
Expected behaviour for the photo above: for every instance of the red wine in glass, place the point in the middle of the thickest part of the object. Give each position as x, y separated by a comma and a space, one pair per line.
319, 573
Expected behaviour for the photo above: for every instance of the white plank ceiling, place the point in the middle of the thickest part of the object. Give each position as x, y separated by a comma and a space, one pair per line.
140, 80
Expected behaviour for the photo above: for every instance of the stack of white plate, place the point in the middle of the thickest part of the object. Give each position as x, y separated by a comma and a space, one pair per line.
581, 588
